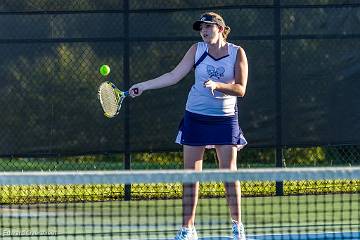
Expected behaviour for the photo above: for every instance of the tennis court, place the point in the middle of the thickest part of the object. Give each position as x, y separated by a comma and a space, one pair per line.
160, 219
325, 214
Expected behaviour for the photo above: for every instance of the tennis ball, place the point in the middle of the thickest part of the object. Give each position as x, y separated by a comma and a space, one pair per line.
104, 70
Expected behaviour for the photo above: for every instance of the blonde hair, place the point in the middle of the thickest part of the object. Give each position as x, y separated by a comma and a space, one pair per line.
227, 29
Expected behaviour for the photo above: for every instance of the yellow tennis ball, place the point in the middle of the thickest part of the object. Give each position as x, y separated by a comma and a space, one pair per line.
104, 70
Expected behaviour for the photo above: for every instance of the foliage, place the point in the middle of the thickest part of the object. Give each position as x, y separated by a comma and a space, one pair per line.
106, 192
302, 157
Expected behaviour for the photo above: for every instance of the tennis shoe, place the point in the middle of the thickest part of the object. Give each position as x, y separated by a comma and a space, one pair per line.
187, 234
238, 231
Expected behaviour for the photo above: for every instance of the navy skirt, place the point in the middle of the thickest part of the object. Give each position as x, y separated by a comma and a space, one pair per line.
202, 130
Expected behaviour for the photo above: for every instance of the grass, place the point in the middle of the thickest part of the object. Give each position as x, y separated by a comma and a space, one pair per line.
48, 164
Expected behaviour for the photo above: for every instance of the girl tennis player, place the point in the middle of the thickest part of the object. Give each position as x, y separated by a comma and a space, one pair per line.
211, 117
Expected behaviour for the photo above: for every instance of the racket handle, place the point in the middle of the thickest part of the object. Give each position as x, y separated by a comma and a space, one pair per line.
135, 90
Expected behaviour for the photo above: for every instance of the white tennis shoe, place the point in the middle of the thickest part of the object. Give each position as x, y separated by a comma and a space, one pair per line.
186, 234
238, 231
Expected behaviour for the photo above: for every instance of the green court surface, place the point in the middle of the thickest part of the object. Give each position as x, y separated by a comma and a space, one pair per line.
160, 219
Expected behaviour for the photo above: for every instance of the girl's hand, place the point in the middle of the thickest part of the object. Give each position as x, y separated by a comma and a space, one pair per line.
137, 89
211, 85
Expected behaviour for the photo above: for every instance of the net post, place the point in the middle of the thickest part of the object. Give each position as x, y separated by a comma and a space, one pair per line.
127, 166
280, 163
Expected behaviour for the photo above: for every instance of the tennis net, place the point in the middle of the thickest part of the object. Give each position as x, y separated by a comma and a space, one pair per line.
317, 203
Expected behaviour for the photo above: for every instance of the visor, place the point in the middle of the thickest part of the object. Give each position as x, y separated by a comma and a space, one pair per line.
207, 19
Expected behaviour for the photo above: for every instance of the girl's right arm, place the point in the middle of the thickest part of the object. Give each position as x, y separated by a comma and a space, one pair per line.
170, 78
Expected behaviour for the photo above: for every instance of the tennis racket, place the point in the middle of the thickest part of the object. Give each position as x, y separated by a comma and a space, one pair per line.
111, 98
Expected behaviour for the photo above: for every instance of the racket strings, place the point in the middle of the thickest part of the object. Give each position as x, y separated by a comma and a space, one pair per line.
109, 99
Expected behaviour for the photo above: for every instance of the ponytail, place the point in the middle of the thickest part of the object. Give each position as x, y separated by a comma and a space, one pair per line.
226, 32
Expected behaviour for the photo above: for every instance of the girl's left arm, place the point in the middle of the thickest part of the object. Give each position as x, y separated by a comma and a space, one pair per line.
238, 88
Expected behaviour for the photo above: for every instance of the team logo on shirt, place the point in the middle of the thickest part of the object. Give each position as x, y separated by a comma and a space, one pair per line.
215, 72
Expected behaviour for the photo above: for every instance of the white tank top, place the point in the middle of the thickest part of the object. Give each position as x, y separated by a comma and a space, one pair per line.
200, 99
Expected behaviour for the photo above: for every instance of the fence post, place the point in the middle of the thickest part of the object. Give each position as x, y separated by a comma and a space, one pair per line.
126, 62
277, 57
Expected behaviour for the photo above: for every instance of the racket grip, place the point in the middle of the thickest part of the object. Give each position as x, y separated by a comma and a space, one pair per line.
135, 90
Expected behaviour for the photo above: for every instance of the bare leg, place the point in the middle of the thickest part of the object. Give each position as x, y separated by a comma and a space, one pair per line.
193, 159
227, 155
